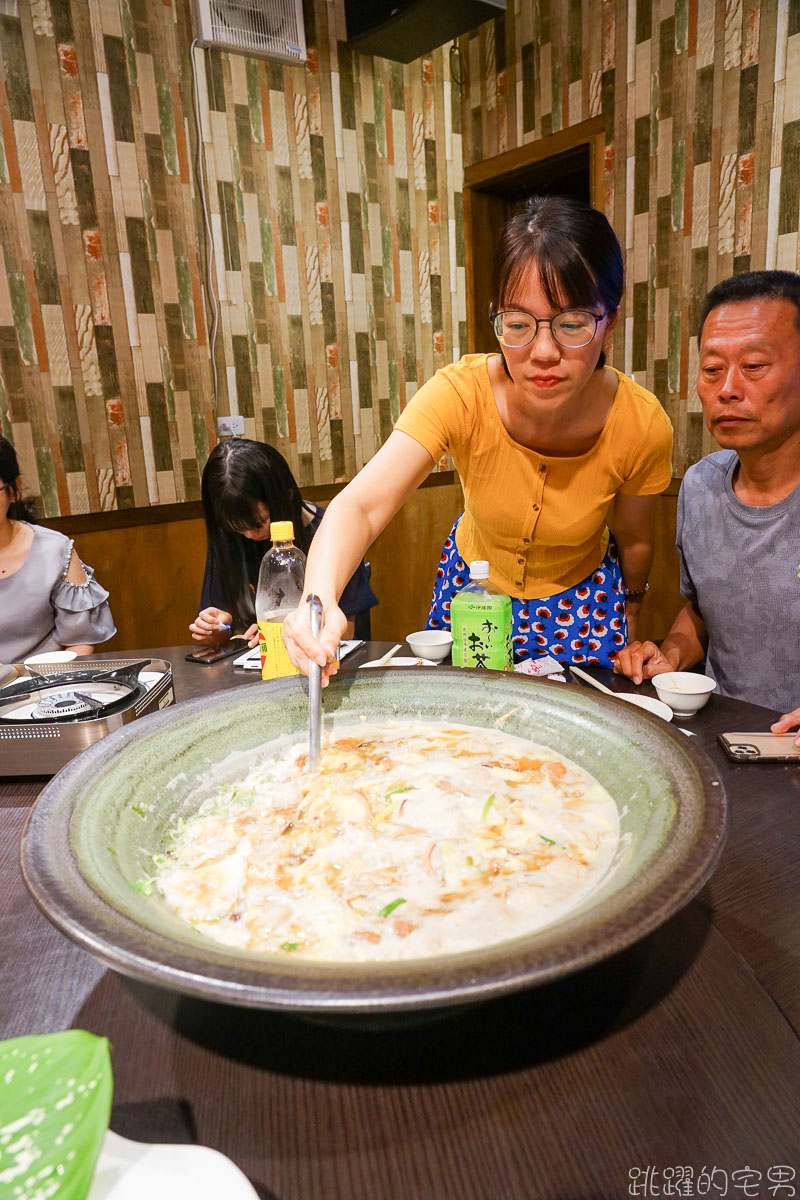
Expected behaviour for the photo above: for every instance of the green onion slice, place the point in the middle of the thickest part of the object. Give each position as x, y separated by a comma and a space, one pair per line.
385, 912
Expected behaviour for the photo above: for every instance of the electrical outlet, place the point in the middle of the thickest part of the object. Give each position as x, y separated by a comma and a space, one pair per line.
230, 426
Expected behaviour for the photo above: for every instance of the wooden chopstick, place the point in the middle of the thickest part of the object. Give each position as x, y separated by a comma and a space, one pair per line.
595, 683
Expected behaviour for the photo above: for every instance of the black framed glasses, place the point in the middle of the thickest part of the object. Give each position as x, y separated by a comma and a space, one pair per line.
572, 328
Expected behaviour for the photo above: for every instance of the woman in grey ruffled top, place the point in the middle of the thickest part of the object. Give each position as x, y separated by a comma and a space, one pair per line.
49, 600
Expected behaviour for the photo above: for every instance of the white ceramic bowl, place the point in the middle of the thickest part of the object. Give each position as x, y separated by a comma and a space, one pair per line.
431, 643
684, 691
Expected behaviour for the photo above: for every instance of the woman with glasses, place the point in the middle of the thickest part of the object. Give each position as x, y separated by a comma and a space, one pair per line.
552, 446
49, 600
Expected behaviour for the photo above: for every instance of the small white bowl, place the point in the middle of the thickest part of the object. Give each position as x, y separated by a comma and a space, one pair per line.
684, 691
431, 643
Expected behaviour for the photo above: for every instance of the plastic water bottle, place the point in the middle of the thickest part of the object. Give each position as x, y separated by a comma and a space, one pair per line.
279, 592
480, 620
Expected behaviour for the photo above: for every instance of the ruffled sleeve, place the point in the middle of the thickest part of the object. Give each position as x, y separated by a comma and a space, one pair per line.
82, 615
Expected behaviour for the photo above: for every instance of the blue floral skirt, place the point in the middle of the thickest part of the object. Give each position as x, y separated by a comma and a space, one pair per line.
584, 624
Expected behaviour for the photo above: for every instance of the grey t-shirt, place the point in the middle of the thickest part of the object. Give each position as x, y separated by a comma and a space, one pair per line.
740, 567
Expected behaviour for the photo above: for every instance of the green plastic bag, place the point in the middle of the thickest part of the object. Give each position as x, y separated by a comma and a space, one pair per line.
55, 1104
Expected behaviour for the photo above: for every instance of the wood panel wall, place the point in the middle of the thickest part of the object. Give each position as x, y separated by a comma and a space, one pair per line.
154, 570
333, 197
405, 557
700, 106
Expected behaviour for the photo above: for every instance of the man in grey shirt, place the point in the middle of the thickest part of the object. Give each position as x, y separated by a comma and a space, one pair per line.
738, 529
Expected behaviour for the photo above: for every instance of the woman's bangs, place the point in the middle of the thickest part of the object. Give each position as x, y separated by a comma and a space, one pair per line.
566, 279
568, 282
238, 513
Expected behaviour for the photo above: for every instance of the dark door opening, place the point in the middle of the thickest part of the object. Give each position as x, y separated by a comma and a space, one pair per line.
566, 164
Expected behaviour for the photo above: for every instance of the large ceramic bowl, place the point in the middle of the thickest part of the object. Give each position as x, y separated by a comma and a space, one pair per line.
91, 834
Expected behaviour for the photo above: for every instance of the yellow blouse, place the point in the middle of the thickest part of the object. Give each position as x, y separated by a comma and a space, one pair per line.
539, 520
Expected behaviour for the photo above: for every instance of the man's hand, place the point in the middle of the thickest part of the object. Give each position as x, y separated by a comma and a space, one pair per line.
786, 722
643, 660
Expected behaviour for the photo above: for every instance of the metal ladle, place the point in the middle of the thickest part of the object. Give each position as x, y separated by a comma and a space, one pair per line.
314, 688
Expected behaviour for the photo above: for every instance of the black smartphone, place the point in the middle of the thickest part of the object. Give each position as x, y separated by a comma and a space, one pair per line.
211, 654
760, 747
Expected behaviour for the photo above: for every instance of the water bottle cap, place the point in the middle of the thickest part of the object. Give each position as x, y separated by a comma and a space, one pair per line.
281, 531
479, 569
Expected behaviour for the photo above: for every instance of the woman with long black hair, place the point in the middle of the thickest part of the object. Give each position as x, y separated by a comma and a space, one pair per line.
246, 486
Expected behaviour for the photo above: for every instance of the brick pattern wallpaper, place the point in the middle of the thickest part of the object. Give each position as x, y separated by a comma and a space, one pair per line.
337, 247
701, 101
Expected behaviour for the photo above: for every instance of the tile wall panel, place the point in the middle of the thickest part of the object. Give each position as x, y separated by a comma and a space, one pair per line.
701, 101
334, 202
333, 198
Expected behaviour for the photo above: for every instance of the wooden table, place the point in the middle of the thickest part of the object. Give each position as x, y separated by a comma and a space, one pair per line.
681, 1053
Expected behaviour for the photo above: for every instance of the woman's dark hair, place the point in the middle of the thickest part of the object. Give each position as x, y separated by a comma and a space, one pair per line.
19, 509
573, 248
239, 477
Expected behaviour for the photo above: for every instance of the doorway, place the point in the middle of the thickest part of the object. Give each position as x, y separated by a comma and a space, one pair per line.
568, 163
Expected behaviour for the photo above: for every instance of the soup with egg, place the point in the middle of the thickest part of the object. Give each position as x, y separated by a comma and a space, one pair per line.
410, 840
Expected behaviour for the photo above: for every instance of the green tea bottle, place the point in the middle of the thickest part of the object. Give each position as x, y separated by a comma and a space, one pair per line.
480, 620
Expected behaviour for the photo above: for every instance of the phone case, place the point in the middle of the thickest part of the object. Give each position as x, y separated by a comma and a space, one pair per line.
760, 747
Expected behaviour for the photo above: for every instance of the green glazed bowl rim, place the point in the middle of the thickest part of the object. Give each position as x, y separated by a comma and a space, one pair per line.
672, 874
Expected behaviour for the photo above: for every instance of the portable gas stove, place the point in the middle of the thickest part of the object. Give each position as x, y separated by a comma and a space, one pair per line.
46, 719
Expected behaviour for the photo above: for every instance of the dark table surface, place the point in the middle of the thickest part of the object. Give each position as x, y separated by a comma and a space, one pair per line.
671, 1069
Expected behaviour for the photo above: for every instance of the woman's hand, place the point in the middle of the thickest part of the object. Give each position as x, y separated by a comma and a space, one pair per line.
250, 635
208, 622
786, 722
302, 647
642, 660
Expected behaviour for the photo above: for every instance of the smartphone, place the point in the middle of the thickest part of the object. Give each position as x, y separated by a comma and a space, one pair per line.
760, 747
211, 654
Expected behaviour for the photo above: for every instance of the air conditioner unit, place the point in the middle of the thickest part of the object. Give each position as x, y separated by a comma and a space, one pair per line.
262, 28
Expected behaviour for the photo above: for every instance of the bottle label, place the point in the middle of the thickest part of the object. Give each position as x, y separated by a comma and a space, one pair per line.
275, 661
482, 632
